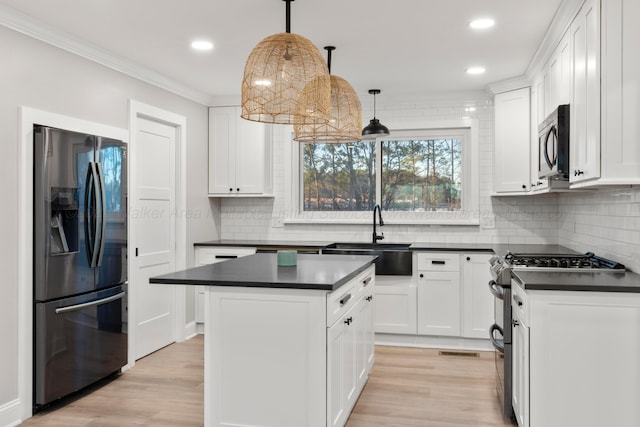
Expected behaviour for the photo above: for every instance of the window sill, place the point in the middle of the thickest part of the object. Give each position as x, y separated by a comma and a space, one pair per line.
390, 221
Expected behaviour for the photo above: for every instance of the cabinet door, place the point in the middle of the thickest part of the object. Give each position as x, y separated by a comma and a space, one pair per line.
395, 308
585, 108
512, 141
620, 161
477, 308
520, 384
222, 154
251, 149
341, 368
537, 116
439, 303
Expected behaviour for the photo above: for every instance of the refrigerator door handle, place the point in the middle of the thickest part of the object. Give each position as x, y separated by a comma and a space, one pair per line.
93, 214
90, 303
100, 215
89, 233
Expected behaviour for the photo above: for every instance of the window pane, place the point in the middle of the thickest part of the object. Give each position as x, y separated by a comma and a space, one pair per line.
422, 175
339, 177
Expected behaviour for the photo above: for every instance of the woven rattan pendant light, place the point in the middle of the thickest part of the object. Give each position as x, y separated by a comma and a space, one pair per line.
285, 78
345, 114
375, 127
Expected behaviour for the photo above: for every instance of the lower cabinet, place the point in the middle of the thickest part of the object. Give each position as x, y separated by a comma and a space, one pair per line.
396, 310
477, 301
350, 354
520, 368
294, 357
575, 358
452, 295
439, 303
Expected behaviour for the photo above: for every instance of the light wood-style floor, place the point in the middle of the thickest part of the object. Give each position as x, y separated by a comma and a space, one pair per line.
408, 387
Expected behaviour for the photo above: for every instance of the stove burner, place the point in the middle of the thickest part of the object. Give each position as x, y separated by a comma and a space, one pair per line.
586, 261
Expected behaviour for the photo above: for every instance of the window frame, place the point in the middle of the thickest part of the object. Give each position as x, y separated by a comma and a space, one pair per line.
468, 215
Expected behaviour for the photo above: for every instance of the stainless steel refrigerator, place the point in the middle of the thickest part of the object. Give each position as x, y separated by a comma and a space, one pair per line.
79, 261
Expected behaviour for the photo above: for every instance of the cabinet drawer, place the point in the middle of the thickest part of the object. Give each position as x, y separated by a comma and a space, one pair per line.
431, 261
519, 302
340, 301
218, 254
365, 281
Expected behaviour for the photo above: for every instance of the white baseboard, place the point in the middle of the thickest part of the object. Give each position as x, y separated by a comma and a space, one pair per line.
190, 330
10, 414
452, 343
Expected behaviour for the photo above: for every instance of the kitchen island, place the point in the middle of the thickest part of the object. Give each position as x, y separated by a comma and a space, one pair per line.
284, 346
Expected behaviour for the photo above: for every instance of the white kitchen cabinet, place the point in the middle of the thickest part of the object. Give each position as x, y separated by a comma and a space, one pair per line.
240, 155
210, 255
512, 141
350, 349
585, 107
560, 75
520, 356
293, 351
477, 304
620, 154
439, 308
583, 350
537, 116
396, 309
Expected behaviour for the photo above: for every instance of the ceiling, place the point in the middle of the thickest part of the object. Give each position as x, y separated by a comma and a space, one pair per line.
407, 48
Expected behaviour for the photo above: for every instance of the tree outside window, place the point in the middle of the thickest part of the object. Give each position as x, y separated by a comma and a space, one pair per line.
414, 174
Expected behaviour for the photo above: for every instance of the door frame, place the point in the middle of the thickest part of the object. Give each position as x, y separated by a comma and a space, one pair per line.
27, 118
139, 110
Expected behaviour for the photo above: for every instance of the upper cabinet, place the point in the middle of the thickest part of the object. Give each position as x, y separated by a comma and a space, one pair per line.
512, 141
620, 154
584, 149
240, 155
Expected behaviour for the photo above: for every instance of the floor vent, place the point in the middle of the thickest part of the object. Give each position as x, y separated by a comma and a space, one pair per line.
459, 353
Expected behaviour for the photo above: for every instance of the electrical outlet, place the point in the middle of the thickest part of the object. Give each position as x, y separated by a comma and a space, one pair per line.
277, 223
488, 222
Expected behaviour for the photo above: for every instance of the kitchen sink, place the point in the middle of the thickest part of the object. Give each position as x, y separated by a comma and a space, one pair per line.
394, 259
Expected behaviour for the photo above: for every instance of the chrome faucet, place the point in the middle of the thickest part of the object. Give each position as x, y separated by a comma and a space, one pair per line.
375, 235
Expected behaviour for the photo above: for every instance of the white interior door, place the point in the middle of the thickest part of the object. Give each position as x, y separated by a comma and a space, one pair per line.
153, 225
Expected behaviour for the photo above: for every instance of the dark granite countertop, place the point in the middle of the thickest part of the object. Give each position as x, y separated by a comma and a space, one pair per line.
452, 247
578, 281
499, 249
313, 272
264, 243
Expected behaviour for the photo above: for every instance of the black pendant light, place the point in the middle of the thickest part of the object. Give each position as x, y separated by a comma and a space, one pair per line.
375, 127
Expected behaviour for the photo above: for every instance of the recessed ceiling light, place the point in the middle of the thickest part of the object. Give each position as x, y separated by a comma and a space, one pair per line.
475, 70
480, 24
202, 45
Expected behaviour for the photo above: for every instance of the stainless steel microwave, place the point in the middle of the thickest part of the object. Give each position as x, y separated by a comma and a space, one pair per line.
553, 143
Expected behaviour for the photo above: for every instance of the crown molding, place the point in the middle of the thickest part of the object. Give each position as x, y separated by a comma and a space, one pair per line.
508, 84
559, 25
28, 26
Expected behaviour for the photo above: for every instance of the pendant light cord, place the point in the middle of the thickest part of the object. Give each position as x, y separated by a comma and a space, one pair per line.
374, 106
288, 16
329, 49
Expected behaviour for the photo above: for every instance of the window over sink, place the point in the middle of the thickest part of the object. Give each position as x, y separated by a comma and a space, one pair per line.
418, 176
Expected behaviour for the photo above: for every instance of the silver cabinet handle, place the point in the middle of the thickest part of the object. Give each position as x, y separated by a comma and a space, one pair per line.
366, 281
90, 303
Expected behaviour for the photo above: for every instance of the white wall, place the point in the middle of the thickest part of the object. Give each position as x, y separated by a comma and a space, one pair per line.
517, 219
40, 76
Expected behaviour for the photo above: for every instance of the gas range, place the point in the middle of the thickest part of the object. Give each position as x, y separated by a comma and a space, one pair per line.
501, 267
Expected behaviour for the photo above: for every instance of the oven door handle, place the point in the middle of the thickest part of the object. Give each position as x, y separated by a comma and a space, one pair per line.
496, 290
497, 344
